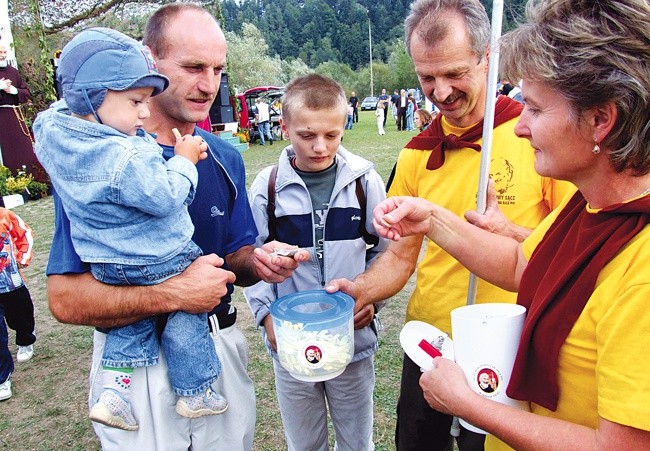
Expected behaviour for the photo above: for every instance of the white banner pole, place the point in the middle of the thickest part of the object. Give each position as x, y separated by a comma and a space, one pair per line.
488, 125
486, 147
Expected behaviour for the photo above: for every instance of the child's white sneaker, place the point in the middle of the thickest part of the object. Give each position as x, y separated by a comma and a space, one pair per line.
5, 390
25, 353
208, 403
114, 411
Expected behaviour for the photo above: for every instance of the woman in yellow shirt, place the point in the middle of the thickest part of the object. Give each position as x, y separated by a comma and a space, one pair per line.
584, 273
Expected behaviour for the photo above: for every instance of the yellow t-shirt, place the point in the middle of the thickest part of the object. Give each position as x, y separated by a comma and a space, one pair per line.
523, 195
603, 366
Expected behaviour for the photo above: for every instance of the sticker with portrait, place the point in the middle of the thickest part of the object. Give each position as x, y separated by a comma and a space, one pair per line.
488, 381
313, 355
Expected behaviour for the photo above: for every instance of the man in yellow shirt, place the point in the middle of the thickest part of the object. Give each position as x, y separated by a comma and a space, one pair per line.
448, 43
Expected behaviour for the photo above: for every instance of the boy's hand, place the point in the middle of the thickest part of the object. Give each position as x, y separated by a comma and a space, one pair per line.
363, 316
272, 267
270, 332
191, 147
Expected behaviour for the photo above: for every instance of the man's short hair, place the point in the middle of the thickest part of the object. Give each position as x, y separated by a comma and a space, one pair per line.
154, 33
427, 19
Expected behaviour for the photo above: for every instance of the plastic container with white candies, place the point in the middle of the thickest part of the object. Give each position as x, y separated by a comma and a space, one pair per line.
314, 332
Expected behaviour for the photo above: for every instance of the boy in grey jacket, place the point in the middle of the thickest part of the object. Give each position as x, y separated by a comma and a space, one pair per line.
318, 208
128, 212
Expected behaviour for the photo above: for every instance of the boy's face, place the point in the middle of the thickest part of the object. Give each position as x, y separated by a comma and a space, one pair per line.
315, 136
125, 111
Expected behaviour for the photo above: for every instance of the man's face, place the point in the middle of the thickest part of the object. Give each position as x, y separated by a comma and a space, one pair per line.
3, 53
193, 62
451, 75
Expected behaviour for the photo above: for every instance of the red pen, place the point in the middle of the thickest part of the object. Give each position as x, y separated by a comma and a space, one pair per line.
429, 349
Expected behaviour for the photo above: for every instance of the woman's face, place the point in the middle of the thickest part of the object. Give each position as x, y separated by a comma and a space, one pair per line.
417, 121
562, 142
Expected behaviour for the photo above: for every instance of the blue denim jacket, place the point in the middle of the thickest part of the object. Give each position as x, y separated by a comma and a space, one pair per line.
126, 204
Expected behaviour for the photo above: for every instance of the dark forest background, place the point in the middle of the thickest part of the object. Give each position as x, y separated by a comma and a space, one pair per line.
317, 31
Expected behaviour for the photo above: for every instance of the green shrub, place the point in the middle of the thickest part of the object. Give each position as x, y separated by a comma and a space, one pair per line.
17, 185
5, 173
36, 189
20, 183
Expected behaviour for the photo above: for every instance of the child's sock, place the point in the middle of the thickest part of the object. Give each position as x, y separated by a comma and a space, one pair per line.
114, 407
117, 379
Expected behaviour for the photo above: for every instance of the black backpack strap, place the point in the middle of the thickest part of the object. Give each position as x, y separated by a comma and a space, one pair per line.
391, 177
361, 197
270, 204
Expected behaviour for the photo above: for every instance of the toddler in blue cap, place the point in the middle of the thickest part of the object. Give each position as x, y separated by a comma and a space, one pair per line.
128, 212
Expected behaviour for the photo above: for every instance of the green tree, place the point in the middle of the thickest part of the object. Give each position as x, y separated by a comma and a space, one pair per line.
340, 72
280, 42
383, 77
325, 52
353, 45
248, 61
292, 69
402, 66
306, 50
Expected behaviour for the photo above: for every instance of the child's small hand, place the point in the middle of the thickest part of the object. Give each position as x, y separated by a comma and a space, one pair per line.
194, 148
270, 332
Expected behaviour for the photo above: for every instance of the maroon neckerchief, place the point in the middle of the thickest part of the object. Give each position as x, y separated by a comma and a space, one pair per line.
557, 284
434, 139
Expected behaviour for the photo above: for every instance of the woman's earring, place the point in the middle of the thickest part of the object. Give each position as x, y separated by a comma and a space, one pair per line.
596, 148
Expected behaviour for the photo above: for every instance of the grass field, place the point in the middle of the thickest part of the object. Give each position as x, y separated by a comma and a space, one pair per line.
48, 410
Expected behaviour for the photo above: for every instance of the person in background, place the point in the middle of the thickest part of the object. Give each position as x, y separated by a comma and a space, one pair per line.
581, 362
350, 117
276, 106
410, 110
515, 93
402, 105
354, 100
189, 48
15, 135
393, 104
16, 306
263, 120
505, 87
448, 43
319, 179
421, 119
385, 100
380, 113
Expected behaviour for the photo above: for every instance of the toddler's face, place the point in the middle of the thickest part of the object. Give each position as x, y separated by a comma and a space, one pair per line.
315, 136
125, 111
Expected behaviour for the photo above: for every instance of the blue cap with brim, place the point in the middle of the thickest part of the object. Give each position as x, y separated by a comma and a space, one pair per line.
99, 59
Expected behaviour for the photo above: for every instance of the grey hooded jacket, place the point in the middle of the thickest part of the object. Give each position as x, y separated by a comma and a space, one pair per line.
346, 254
